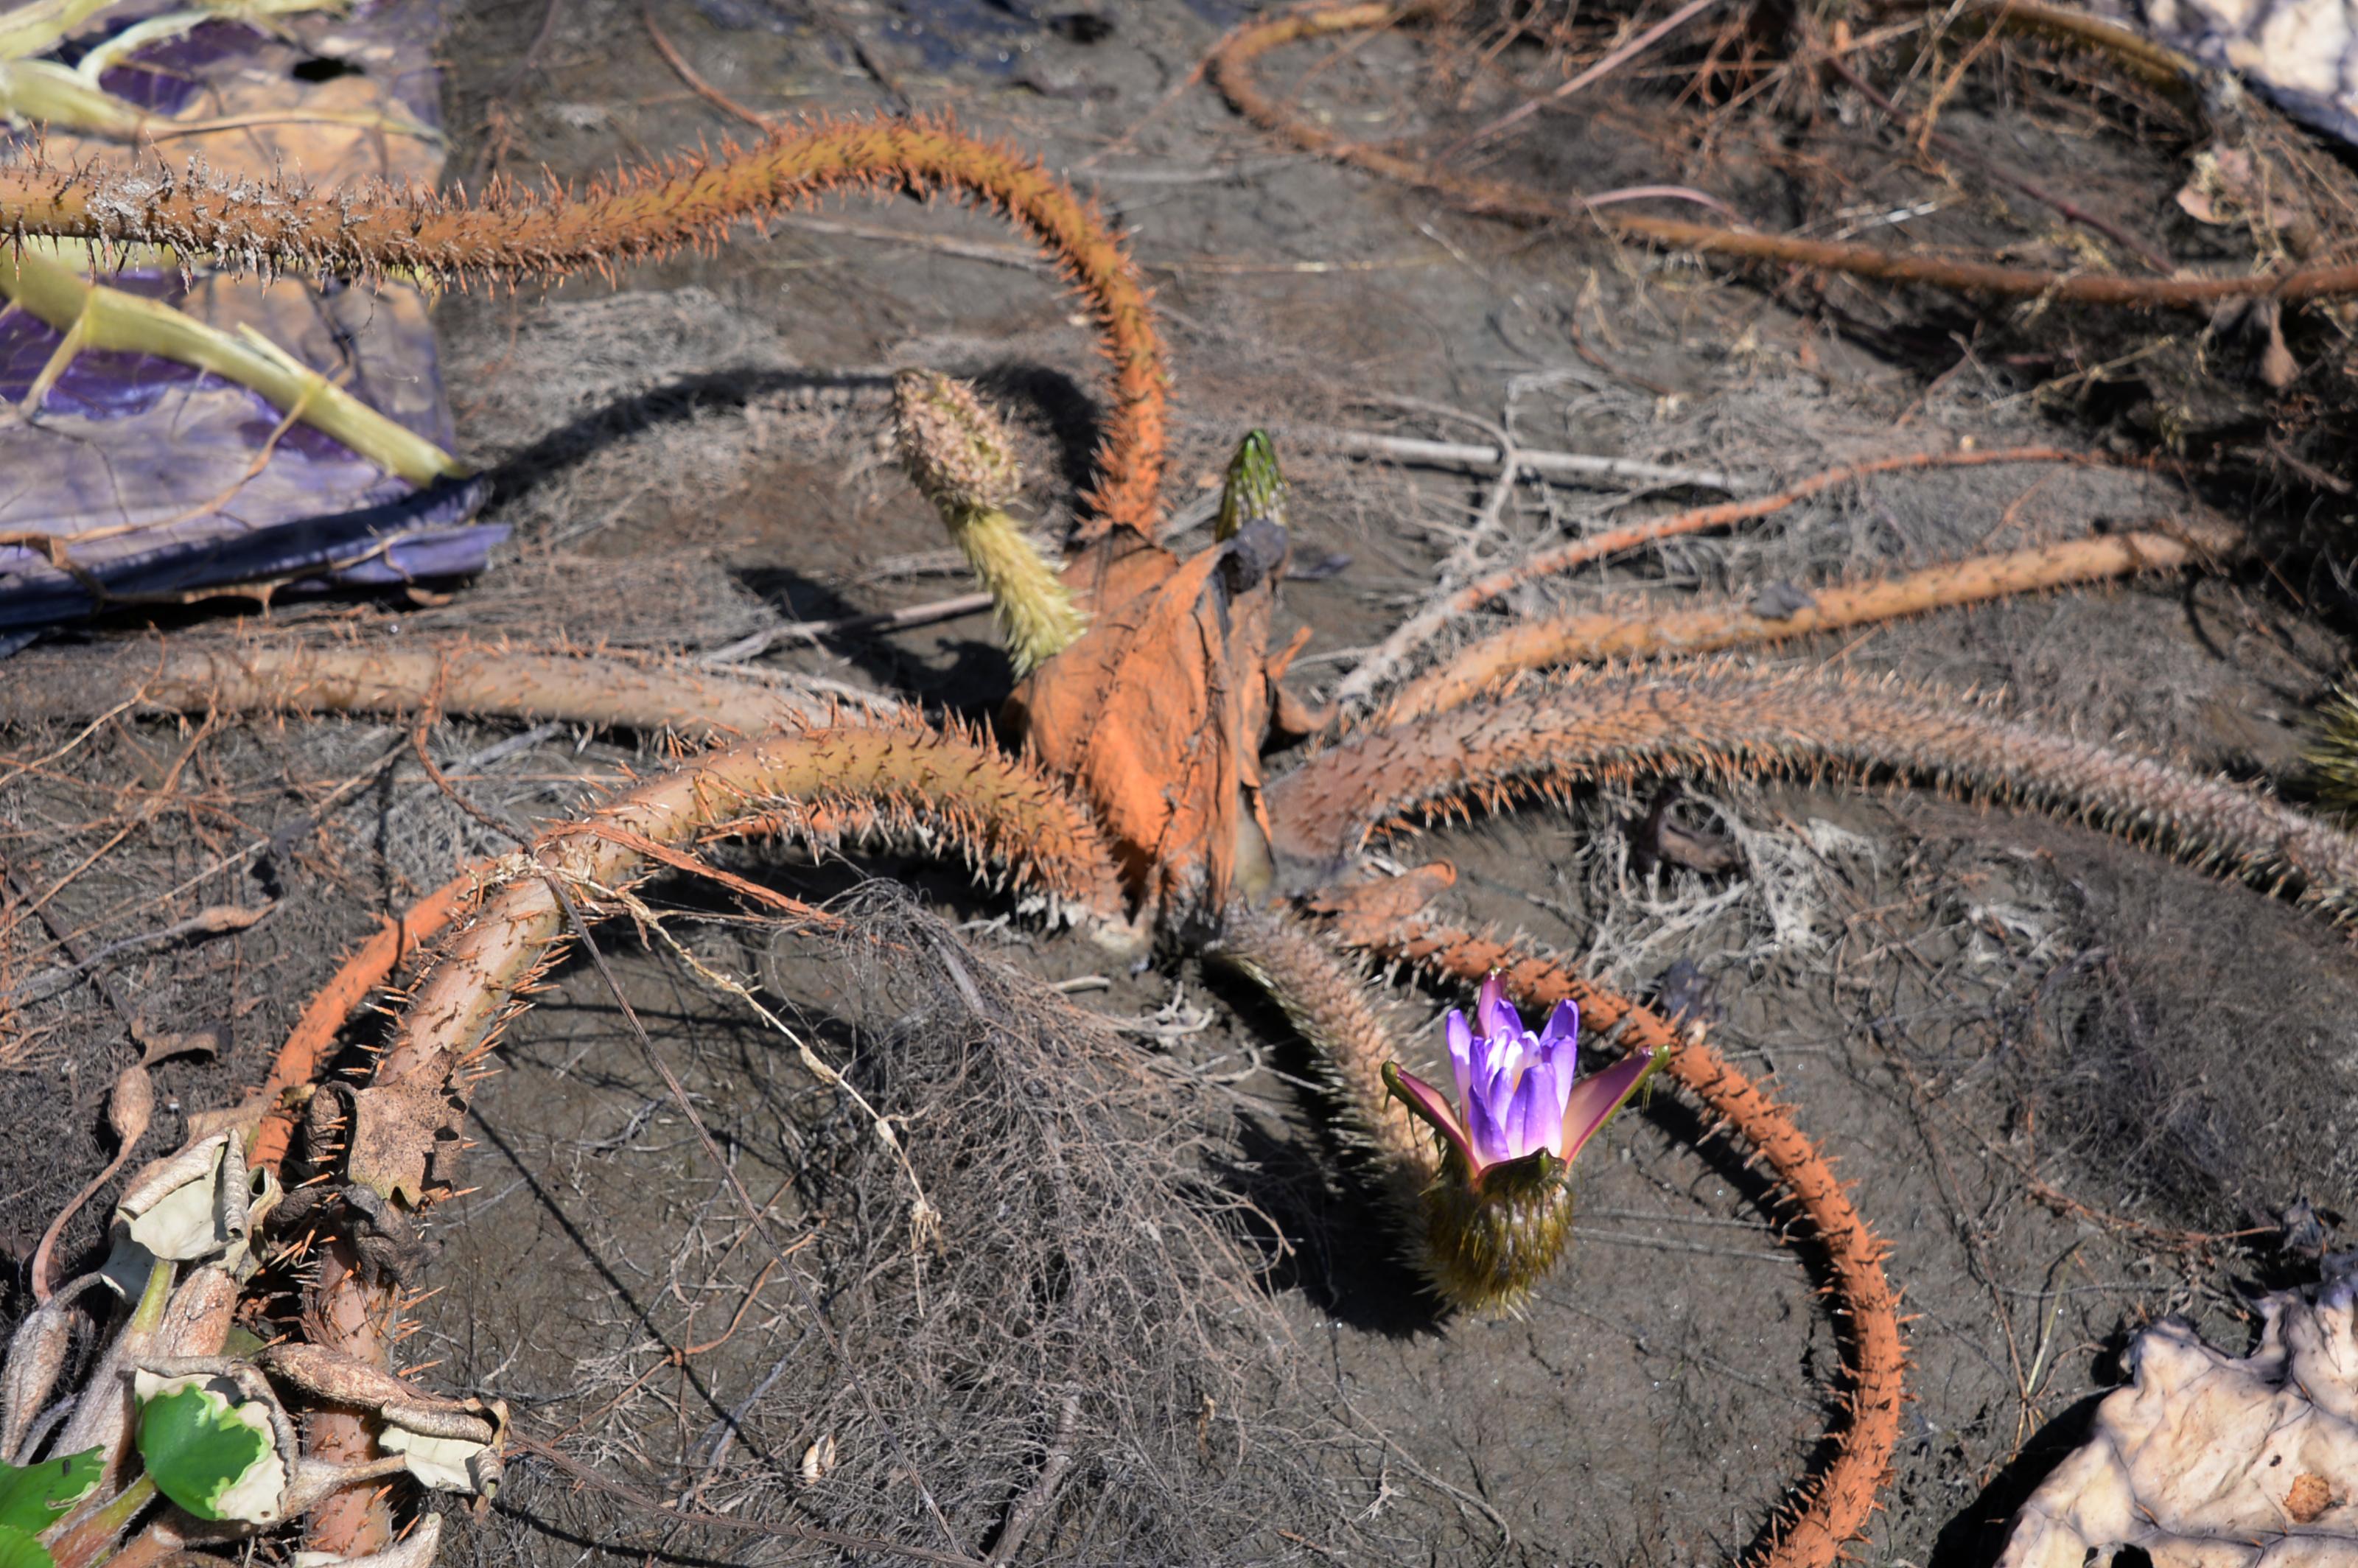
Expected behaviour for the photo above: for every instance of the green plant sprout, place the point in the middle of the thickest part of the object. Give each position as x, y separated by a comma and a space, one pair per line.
1254, 488
95, 317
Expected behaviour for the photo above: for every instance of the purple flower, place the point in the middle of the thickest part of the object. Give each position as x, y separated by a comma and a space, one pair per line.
1518, 1093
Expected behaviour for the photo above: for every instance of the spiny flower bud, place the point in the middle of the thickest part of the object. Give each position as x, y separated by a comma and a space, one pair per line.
956, 450
956, 453
1255, 487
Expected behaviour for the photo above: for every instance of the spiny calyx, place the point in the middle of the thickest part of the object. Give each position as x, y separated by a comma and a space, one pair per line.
957, 454
1487, 1242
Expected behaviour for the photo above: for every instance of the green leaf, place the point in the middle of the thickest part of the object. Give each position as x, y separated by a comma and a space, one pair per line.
213, 1455
33, 1496
18, 1550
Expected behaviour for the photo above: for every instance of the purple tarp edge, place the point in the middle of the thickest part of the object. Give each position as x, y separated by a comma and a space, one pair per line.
166, 483
420, 535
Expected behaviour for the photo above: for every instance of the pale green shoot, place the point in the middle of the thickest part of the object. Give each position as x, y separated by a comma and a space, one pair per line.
94, 316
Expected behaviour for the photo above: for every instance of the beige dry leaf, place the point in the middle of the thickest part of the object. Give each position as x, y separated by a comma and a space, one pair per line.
2211, 1461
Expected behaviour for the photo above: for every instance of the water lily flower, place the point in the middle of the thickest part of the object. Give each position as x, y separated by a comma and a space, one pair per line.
1519, 1095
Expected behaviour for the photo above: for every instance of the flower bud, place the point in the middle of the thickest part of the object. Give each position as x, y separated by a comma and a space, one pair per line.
1487, 1245
957, 454
956, 450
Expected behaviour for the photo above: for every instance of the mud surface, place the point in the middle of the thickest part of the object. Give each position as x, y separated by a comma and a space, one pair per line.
2075, 1084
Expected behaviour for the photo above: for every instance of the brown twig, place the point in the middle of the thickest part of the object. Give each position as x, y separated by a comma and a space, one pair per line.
1613, 58
688, 73
2151, 256
930, 614
1232, 71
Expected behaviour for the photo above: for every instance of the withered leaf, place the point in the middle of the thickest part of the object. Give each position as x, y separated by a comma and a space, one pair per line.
2215, 1461
397, 1134
1158, 711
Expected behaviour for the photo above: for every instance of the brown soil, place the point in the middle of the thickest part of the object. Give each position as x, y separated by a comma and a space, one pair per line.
2058, 1068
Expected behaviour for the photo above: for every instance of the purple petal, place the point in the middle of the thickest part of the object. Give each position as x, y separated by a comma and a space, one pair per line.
1596, 1097
1494, 1085
1554, 1078
1492, 1012
1529, 1112
1425, 1103
1460, 1035
1563, 1024
1484, 1134
1561, 1052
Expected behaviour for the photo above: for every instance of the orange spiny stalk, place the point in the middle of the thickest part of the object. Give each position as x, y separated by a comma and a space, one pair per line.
1833, 1506
478, 680
1653, 632
304, 1057
1328, 1005
1428, 623
1727, 721
864, 778
971, 798
965, 792
511, 233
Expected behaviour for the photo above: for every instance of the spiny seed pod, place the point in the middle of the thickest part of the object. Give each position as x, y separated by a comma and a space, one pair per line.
957, 454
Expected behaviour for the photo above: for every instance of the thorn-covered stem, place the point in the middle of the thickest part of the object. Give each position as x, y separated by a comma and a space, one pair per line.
1724, 721
512, 234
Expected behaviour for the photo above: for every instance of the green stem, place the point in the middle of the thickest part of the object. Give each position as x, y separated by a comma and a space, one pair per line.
92, 316
148, 1315
92, 1541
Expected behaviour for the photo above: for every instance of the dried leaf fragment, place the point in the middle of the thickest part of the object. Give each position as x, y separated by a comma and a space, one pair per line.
396, 1130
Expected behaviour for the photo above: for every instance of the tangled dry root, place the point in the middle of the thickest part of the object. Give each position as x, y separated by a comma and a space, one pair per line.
1232, 70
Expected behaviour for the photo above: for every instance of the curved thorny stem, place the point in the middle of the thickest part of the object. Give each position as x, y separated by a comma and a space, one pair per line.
968, 797
1727, 721
513, 234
